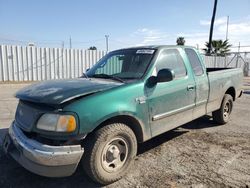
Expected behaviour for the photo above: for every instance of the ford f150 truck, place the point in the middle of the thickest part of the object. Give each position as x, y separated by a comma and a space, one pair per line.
130, 96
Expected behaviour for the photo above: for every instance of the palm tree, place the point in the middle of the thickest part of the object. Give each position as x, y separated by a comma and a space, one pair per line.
92, 48
218, 47
180, 41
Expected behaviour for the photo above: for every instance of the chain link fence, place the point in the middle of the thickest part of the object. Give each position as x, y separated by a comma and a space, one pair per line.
237, 59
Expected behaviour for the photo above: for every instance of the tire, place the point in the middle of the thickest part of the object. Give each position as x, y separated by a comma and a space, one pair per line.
222, 115
109, 153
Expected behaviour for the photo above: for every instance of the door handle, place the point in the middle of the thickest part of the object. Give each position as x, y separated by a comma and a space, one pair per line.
190, 87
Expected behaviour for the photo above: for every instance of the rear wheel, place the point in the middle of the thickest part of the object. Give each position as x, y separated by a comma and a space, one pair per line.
222, 115
109, 153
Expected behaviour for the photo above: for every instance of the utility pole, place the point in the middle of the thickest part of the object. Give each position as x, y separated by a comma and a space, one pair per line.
70, 42
107, 42
212, 27
227, 27
62, 44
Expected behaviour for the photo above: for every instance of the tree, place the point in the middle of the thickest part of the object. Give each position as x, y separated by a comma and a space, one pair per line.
92, 48
180, 41
218, 47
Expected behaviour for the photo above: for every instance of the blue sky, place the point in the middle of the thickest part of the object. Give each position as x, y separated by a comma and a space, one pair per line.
127, 22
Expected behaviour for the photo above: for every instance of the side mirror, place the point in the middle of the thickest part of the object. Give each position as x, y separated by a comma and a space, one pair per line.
165, 75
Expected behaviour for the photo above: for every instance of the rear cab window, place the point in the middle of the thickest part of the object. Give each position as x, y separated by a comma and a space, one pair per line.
194, 62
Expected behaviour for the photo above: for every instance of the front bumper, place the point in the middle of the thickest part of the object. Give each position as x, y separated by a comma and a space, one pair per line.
41, 159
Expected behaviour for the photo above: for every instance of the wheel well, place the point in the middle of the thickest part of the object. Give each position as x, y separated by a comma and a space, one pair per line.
231, 91
130, 121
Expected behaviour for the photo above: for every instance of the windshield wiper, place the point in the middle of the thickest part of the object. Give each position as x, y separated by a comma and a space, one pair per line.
131, 78
108, 76
85, 75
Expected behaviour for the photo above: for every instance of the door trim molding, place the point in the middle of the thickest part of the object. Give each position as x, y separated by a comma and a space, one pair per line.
166, 114
201, 102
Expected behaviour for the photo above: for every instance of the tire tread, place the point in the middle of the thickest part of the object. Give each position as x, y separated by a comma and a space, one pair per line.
92, 144
218, 114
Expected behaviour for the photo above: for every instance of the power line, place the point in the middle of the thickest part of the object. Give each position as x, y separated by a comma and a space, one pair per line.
13, 40
117, 41
26, 41
240, 46
87, 42
59, 42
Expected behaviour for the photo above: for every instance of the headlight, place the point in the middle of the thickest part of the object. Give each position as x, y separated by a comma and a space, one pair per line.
57, 122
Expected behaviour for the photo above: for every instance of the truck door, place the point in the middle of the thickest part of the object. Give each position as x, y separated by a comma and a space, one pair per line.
171, 103
201, 82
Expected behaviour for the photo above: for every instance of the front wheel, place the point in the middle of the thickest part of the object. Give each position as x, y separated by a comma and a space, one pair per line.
222, 115
109, 153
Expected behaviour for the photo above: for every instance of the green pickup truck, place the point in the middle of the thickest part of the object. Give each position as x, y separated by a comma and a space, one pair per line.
128, 97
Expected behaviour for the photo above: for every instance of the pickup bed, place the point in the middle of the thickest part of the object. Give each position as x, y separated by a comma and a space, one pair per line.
130, 96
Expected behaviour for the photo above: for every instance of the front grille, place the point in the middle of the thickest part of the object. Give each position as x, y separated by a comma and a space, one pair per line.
26, 116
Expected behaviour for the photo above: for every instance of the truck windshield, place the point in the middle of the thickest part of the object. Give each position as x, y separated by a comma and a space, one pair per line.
123, 64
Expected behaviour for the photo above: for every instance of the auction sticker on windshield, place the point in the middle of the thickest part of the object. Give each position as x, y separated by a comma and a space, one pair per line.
145, 51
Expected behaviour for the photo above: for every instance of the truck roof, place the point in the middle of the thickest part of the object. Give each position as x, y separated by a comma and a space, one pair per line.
157, 47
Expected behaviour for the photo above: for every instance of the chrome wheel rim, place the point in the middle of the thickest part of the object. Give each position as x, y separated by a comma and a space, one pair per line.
114, 154
227, 110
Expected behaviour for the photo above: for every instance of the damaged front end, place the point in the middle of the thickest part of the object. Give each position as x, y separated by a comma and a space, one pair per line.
44, 138
43, 152
39, 158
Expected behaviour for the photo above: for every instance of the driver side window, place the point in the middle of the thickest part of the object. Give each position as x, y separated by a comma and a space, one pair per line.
171, 59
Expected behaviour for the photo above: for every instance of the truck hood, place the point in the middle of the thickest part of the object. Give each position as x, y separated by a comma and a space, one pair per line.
57, 92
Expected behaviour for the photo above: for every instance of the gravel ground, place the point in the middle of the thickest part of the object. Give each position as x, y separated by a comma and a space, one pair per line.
197, 154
